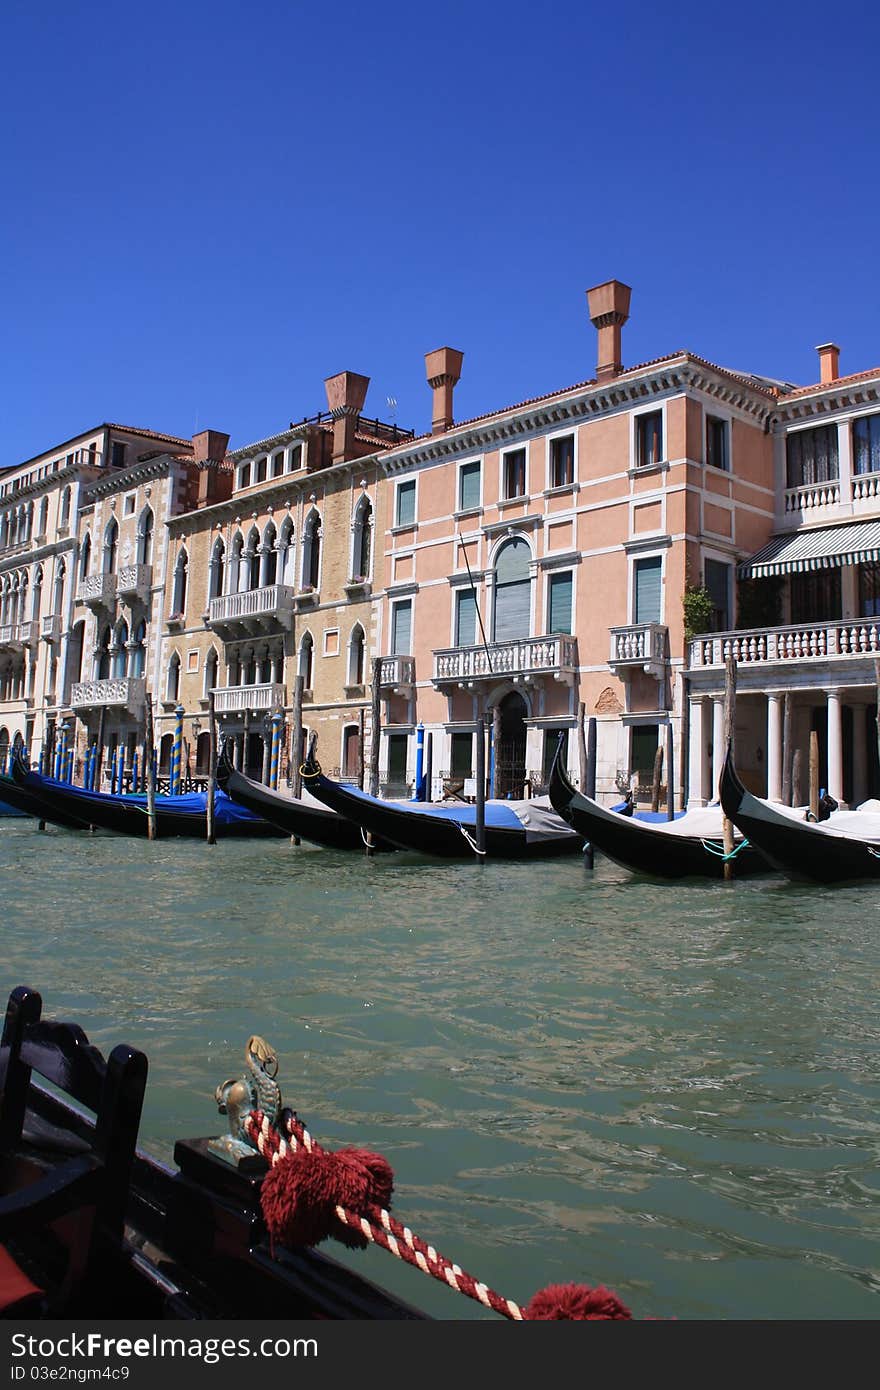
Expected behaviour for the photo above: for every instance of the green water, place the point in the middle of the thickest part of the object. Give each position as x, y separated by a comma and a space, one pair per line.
670, 1090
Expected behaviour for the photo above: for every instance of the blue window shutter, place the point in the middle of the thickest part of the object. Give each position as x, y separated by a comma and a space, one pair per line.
406, 503
560, 602
401, 628
648, 589
465, 618
469, 487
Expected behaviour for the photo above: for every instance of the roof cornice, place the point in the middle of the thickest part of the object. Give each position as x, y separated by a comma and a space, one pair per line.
826, 400
290, 486
123, 479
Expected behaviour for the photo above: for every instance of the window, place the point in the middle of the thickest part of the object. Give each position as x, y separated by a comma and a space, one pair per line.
405, 510
562, 461
560, 602
362, 539
244, 475
866, 444
398, 747
465, 618
717, 577
172, 685
85, 556
716, 442
311, 570
117, 454
111, 541
513, 590
811, 456
211, 665
815, 596
102, 655
356, 652
514, 477
262, 465
649, 438
128, 505
278, 464
178, 600
306, 660
469, 487
119, 653
646, 584
401, 628
145, 539
138, 655
65, 507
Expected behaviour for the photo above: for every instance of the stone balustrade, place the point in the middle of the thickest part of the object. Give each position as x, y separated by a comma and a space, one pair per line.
126, 692
522, 659
858, 638
235, 699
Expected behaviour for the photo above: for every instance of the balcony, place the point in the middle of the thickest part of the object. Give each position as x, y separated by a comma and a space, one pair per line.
50, 627
523, 660
97, 591
642, 645
257, 611
810, 498
397, 674
119, 692
806, 643
15, 636
238, 699
134, 581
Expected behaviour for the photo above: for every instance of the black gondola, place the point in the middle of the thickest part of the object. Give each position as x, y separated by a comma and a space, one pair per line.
310, 820
840, 849
686, 848
514, 829
149, 1241
28, 803
184, 816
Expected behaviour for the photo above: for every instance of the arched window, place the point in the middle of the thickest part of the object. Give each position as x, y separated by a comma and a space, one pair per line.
38, 593
286, 552
111, 544
236, 565
74, 656
22, 598
513, 590
178, 600
165, 747
211, 665
58, 591
252, 560
269, 559
145, 538
311, 570
203, 754
65, 508
4, 601
362, 543
137, 662
102, 655
172, 683
119, 653
43, 521
356, 647
29, 521
306, 660
216, 568
85, 556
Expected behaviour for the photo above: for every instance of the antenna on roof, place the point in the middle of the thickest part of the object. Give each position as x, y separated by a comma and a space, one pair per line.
391, 402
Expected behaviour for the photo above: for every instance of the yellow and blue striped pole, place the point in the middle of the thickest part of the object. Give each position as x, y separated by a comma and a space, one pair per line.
177, 752
276, 750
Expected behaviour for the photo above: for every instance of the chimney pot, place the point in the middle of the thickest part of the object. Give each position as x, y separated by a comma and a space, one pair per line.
346, 393
209, 450
608, 306
443, 370
829, 362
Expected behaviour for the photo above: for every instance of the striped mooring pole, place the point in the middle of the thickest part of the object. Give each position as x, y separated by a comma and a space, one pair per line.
61, 753
420, 762
68, 770
177, 752
277, 721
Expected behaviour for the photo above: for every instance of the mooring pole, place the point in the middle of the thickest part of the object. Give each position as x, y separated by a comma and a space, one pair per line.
729, 732
296, 737
588, 780
429, 766
496, 745
376, 718
658, 778
786, 750
583, 758
670, 773
361, 764
150, 770
212, 770
480, 771
814, 774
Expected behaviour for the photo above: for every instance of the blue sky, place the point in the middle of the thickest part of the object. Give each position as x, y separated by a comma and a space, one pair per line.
211, 207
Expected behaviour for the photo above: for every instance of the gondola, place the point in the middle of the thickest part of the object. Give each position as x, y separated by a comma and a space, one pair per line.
184, 816
841, 849
151, 1240
690, 847
514, 829
28, 803
302, 816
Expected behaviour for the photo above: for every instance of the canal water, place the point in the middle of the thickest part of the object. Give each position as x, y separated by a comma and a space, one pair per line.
671, 1090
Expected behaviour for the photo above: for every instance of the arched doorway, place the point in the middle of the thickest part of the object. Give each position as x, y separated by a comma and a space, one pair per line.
510, 755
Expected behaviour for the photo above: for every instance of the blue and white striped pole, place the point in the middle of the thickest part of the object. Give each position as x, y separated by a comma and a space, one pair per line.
276, 750
113, 771
61, 752
420, 763
68, 771
134, 771
177, 752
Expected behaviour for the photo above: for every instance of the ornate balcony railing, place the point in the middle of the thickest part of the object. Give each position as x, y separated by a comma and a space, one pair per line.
255, 610
397, 672
523, 659
858, 638
50, 627
134, 581
14, 636
97, 590
808, 496
119, 691
640, 644
235, 699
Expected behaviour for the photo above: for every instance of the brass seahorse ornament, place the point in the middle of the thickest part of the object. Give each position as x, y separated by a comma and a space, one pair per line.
256, 1090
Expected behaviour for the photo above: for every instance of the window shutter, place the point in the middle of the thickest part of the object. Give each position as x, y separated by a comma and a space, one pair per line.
469, 487
466, 618
406, 503
401, 629
560, 603
648, 590
513, 591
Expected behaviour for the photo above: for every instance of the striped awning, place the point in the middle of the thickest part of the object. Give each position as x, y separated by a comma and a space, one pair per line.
827, 547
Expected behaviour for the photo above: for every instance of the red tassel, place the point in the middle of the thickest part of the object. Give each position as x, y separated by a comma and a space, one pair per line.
301, 1192
574, 1303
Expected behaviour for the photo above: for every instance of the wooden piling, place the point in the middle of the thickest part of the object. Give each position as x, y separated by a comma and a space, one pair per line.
658, 778
151, 779
787, 757
496, 744
212, 770
797, 798
96, 784
429, 766
729, 730
480, 771
376, 718
589, 779
361, 763
814, 774
296, 738
582, 745
670, 772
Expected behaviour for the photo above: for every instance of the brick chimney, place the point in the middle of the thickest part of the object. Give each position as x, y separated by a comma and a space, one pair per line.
346, 393
829, 362
609, 310
443, 369
209, 450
